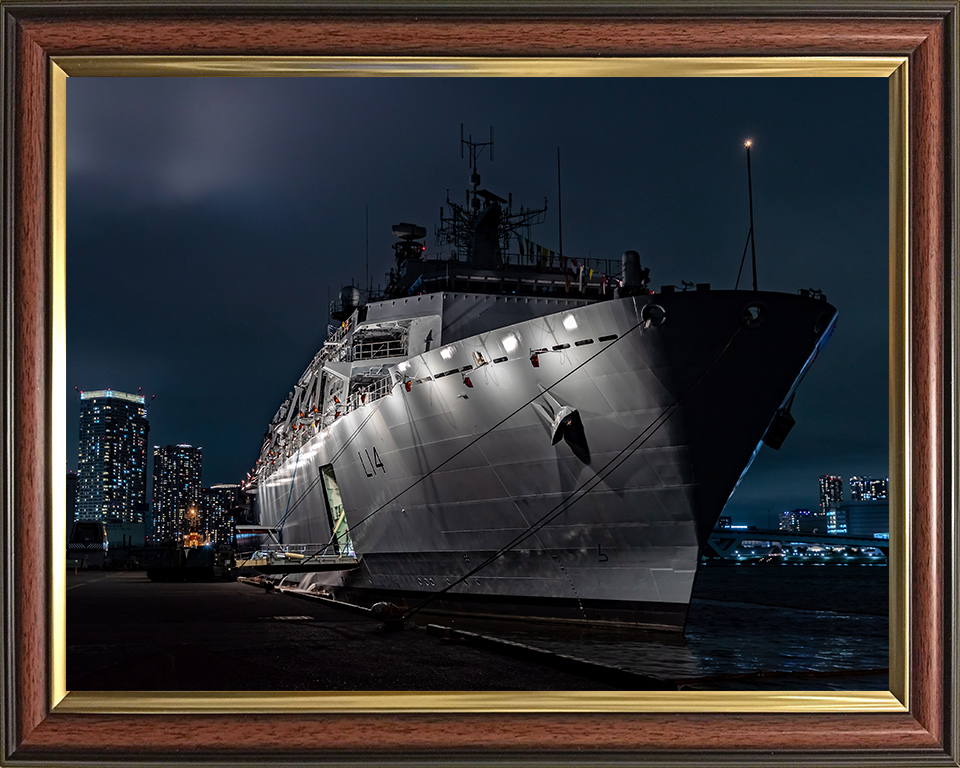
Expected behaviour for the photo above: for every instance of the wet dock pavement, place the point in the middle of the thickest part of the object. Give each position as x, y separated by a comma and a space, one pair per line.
126, 633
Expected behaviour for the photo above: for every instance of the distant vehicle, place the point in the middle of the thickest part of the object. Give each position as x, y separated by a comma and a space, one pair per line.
88, 544
178, 563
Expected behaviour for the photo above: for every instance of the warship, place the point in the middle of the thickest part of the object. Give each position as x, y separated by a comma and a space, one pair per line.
508, 431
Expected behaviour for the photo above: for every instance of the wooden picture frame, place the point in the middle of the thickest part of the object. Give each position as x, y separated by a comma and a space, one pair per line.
916, 722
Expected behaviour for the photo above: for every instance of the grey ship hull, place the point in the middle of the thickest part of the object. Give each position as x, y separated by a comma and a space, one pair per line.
604, 525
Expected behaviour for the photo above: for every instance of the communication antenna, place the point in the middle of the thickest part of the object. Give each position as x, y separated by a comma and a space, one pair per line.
476, 148
559, 205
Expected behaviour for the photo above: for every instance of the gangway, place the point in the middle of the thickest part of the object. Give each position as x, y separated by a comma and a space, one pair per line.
302, 558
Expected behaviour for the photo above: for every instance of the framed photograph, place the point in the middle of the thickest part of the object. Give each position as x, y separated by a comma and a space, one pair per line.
245, 227
46, 43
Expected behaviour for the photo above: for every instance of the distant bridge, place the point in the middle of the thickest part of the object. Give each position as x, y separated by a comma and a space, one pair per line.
737, 543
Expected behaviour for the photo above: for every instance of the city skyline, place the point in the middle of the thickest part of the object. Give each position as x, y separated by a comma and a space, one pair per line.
862, 488
869, 489
236, 207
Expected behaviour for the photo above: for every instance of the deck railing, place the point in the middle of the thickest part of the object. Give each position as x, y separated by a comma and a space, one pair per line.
370, 393
374, 350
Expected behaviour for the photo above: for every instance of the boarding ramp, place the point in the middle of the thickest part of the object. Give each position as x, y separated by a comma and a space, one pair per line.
300, 558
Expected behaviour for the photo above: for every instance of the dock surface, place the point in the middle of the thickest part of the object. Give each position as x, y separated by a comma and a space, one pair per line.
126, 633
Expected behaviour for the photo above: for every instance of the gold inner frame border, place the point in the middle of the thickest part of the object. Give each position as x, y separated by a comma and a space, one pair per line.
894, 69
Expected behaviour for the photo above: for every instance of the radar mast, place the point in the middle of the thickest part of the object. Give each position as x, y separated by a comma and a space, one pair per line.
480, 230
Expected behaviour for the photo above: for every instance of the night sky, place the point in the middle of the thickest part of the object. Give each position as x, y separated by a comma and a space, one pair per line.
209, 220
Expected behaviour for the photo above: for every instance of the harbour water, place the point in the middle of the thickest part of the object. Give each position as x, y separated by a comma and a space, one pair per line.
787, 627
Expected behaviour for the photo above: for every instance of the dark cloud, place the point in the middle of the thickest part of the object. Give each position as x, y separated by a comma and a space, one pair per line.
210, 219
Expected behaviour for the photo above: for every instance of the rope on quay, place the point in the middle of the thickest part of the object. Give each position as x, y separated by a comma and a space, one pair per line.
450, 458
584, 488
616, 677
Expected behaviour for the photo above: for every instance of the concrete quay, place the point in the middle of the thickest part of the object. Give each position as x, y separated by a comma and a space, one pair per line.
126, 633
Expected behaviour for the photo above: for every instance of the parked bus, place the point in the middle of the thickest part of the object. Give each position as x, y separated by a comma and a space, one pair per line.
88, 544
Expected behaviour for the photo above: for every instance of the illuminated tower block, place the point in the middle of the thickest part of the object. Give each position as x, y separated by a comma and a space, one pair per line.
112, 472
176, 491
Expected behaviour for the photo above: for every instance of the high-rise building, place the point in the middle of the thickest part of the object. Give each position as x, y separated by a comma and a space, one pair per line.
836, 520
788, 521
804, 521
112, 473
815, 521
177, 508
218, 501
860, 518
831, 491
869, 488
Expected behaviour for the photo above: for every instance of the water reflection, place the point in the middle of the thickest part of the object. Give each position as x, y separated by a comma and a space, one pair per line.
760, 627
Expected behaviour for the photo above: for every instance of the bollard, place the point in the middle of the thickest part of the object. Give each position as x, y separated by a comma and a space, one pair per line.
389, 614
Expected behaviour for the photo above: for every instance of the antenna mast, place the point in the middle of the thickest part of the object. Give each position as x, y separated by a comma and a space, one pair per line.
559, 206
475, 149
460, 227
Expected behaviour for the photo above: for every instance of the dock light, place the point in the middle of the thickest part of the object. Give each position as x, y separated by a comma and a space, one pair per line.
750, 236
404, 365
509, 342
446, 353
570, 323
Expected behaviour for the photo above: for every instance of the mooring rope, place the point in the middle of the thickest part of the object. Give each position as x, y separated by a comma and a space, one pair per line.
584, 488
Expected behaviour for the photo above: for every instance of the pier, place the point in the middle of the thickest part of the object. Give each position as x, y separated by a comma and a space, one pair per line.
809, 628
126, 633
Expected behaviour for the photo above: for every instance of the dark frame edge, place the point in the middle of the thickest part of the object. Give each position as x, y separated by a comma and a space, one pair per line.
28, 383
765, 9
15, 729
8, 678
951, 182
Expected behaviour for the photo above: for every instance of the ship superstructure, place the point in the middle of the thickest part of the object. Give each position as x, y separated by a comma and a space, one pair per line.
506, 431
